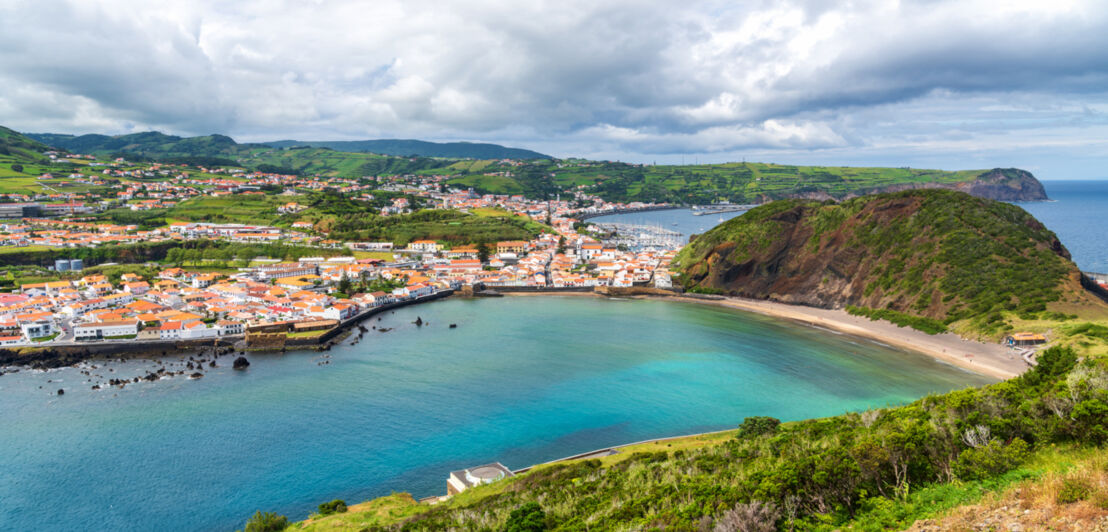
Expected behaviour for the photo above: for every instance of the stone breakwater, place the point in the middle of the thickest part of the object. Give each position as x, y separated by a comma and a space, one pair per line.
68, 355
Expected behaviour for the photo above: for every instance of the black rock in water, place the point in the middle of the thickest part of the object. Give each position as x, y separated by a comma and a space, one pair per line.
241, 363
453, 325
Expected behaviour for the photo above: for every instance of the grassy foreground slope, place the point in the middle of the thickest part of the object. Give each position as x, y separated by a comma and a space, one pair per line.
928, 258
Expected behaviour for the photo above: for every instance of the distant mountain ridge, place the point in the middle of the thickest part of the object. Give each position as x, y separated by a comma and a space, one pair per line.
477, 166
154, 143
422, 148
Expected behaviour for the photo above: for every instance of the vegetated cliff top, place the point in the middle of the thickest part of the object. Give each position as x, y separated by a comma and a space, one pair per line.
941, 255
750, 182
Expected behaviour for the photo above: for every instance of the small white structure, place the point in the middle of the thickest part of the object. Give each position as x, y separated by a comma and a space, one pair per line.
459, 481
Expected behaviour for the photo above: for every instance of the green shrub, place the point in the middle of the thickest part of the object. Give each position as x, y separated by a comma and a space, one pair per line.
1051, 363
1091, 421
266, 522
336, 506
1073, 490
919, 323
706, 290
755, 426
526, 518
990, 460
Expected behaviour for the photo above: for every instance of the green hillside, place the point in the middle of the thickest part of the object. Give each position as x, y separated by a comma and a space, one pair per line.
475, 166
149, 143
22, 162
944, 257
449, 226
331, 163
159, 145
762, 182
407, 147
339, 218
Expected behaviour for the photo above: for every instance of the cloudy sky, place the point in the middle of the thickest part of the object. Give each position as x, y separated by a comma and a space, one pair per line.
926, 83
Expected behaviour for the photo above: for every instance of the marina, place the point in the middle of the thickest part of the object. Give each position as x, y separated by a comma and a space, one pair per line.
641, 237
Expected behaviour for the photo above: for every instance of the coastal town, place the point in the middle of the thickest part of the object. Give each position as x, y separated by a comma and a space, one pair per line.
195, 297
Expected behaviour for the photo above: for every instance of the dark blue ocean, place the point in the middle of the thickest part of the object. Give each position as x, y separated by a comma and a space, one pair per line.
1077, 213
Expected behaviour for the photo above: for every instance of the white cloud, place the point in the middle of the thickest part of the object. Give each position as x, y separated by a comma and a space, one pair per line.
797, 78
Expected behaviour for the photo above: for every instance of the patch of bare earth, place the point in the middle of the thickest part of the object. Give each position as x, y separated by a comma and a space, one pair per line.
1075, 501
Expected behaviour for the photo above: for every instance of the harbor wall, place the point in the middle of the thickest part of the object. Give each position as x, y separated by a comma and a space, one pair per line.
583, 217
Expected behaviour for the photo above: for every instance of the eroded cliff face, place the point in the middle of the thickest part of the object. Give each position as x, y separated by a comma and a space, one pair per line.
924, 252
1005, 184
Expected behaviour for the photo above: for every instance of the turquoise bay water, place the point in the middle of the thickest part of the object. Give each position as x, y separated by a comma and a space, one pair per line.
521, 380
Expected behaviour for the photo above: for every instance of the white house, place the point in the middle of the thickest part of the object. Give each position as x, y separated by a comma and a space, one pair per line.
37, 329
11, 340
420, 290
197, 329
171, 330
230, 327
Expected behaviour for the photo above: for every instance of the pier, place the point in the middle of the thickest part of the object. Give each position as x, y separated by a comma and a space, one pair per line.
585, 216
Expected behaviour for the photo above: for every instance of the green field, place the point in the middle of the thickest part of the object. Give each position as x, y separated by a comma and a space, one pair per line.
448, 226
247, 209
489, 184
6, 250
238, 208
331, 163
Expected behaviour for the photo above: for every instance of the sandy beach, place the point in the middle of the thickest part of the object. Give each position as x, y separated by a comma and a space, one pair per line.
993, 360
